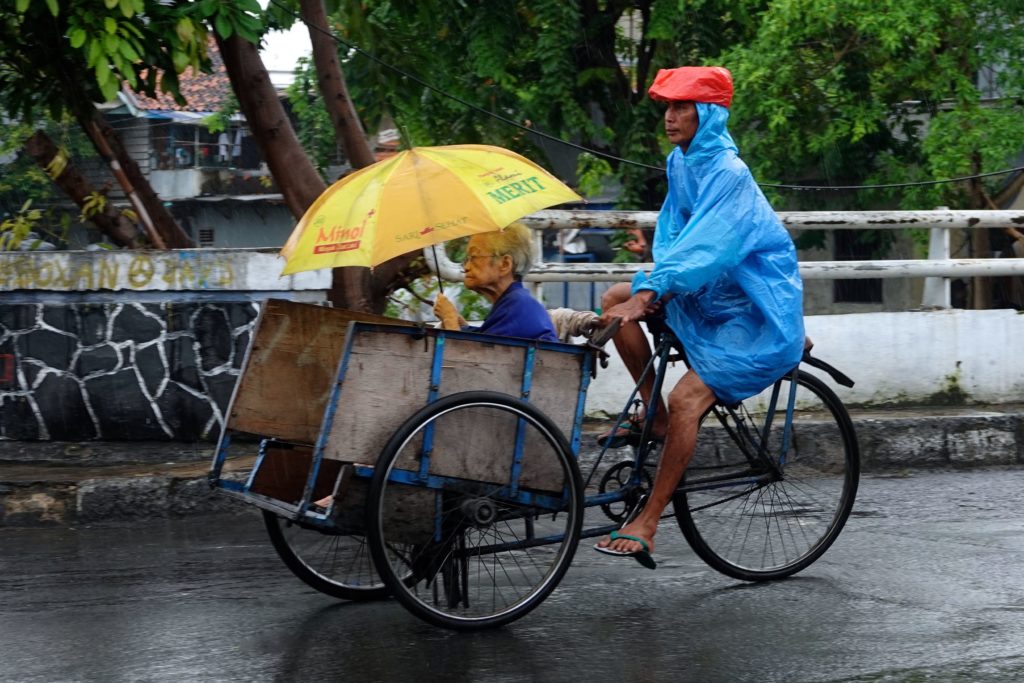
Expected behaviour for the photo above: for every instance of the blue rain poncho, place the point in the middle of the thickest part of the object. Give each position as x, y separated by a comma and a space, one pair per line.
724, 254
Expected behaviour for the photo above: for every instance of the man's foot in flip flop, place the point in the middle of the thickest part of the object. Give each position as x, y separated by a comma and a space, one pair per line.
627, 434
637, 545
623, 434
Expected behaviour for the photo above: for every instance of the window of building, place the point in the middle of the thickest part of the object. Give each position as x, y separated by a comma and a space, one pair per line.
178, 146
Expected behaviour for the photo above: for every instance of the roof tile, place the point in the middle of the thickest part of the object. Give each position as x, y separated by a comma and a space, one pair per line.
203, 92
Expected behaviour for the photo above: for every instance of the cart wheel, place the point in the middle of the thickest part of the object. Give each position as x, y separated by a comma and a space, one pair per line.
335, 564
479, 552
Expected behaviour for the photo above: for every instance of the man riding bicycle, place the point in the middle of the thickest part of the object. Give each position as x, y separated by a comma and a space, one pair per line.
725, 277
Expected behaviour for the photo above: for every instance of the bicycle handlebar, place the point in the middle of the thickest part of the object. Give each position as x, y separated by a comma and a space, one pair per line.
835, 374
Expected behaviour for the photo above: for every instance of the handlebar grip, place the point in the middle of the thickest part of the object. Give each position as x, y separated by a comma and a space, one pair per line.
835, 374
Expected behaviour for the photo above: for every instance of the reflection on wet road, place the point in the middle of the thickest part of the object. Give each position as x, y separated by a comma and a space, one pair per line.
926, 582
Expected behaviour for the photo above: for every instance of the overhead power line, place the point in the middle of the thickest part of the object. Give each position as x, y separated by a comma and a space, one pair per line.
606, 155
917, 183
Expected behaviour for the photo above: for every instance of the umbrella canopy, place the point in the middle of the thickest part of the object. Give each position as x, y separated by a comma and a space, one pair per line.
417, 198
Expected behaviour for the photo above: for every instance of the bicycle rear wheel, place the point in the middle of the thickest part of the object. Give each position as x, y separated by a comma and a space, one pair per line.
484, 540
758, 526
332, 563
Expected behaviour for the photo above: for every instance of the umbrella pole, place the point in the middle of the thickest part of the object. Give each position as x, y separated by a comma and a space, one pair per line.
437, 268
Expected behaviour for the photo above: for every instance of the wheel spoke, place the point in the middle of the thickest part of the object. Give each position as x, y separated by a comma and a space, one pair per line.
330, 562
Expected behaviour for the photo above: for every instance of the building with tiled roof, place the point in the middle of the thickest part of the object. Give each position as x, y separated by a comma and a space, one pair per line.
203, 92
216, 182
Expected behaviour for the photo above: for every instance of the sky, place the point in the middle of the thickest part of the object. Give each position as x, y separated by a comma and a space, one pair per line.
282, 50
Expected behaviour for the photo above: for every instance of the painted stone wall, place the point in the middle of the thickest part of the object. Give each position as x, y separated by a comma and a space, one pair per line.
120, 371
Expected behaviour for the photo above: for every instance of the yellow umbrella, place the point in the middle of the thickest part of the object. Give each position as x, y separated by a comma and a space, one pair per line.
417, 198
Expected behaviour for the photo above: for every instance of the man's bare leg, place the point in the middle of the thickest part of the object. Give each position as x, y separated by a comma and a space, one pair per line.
631, 343
687, 403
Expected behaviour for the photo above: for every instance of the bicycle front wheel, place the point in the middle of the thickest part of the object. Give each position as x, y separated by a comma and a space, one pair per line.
491, 529
754, 521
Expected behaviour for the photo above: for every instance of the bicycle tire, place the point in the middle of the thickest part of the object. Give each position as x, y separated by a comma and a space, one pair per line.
336, 564
775, 529
461, 578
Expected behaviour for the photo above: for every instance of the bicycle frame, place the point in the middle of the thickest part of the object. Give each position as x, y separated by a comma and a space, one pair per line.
762, 468
449, 456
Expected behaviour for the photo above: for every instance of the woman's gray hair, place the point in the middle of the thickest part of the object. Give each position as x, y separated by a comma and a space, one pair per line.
517, 241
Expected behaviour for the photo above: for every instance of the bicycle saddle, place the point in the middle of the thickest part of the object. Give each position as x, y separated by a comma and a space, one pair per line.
659, 328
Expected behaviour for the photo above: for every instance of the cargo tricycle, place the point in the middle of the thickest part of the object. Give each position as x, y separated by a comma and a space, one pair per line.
443, 468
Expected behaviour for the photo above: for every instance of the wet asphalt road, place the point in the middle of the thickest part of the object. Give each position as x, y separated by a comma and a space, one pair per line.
925, 583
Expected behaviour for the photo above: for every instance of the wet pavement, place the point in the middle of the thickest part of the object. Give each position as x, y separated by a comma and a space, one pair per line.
925, 583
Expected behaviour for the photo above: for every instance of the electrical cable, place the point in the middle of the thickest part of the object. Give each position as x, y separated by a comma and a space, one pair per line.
894, 185
456, 98
612, 157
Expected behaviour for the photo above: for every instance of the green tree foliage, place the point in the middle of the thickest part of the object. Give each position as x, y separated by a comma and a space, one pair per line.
96, 45
23, 182
15, 229
577, 70
878, 91
59, 58
101, 44
842, 92
312, 122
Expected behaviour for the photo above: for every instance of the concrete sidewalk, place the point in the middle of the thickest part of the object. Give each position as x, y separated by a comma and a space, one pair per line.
51, 483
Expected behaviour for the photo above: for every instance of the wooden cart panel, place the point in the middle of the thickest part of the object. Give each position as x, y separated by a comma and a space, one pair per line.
388, 378
290, 370
336, 385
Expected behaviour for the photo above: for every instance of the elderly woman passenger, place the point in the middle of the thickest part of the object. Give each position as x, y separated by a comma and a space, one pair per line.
495, 264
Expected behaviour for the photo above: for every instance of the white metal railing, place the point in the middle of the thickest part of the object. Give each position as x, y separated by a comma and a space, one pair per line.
795, 220
937, 268
809, 270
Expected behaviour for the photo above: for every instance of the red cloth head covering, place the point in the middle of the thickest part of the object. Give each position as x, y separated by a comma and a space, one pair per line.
712, 84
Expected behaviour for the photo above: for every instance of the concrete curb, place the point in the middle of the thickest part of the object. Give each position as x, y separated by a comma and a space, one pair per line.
103, 453
978, 440
36, 491
68, 496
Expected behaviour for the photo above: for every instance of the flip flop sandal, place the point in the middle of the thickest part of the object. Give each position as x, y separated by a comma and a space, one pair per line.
642, 556
623, 434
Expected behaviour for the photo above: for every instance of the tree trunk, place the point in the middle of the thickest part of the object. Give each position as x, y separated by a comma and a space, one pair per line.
266, 119
108, 145
392, 274
347, 127
111, 222
163, 222
351, 288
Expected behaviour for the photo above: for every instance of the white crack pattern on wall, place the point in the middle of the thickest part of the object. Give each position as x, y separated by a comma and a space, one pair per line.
120, 370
